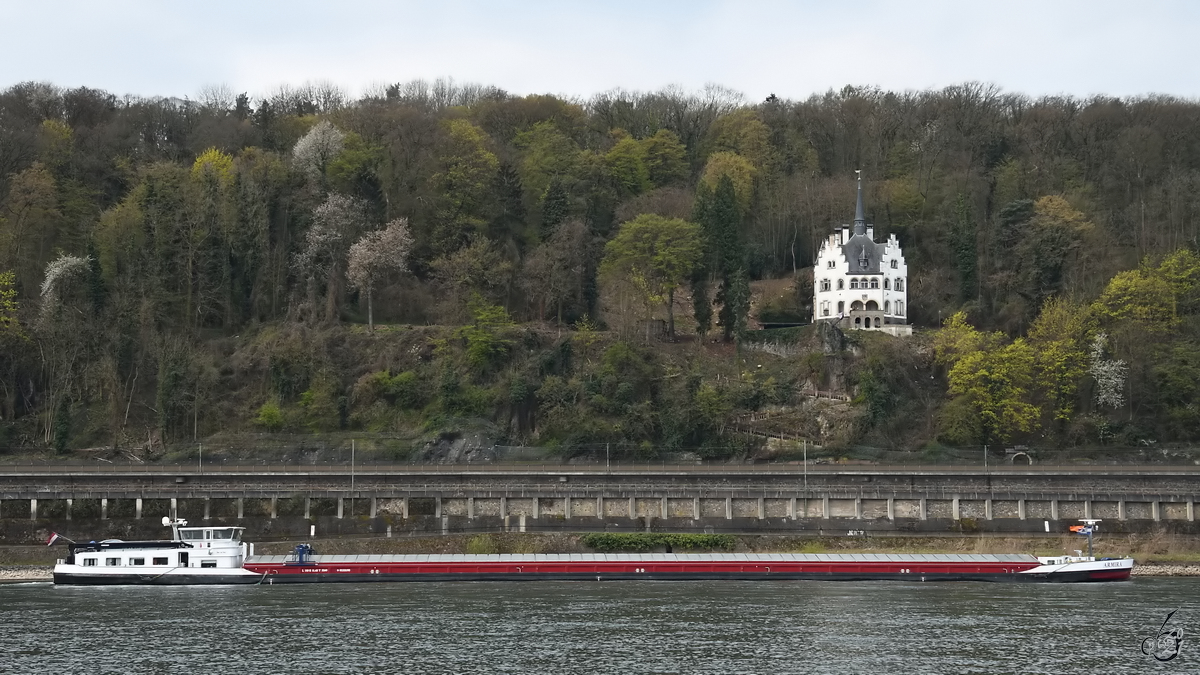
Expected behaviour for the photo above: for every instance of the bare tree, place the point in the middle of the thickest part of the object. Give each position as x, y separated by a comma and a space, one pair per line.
374, 255
217, 97
554, 271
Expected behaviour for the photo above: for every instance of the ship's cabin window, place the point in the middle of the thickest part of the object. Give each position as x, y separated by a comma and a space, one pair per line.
89, 562
160, 561
187, 535
227, 533
112, 562
208, 563
137, 561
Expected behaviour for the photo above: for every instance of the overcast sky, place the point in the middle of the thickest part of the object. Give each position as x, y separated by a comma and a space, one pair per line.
792, 49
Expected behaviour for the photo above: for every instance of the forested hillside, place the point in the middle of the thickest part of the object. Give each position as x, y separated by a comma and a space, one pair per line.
435, 257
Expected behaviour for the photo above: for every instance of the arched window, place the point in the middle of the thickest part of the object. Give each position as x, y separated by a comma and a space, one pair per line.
831, 264
887, 283
841, 284
877, 322
899, 285
858, 321
841, 307
899, 308
895, 264
824, 284
887, 307
853, 283
872, 306
856, 306
874, 282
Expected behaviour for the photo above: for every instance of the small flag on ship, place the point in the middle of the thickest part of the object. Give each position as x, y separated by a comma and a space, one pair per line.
53, 538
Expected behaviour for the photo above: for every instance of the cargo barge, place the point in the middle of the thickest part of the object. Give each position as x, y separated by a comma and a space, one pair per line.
215, 555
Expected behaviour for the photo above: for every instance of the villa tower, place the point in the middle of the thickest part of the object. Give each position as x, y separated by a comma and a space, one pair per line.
859, 283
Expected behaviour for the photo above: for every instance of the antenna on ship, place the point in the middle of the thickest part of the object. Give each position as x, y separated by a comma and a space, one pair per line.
1089, 526
174, 525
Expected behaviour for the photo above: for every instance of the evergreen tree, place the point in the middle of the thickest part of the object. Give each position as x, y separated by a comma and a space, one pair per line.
720, 219
509, 223
735, 311
726, 223
964, 249
554, 208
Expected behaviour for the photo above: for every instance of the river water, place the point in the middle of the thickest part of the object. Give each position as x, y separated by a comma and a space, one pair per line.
619, 628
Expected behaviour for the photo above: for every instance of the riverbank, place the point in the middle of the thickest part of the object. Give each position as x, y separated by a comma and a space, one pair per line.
24, 573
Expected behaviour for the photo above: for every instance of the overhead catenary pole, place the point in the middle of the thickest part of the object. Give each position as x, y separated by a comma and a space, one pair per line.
352, 477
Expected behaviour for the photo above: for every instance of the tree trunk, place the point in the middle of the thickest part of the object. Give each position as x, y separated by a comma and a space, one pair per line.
370, 312
671, 312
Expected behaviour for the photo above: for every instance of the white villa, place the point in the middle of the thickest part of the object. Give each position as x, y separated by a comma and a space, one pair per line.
861, 284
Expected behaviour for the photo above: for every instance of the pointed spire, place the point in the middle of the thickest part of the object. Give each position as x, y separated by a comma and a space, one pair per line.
860, 221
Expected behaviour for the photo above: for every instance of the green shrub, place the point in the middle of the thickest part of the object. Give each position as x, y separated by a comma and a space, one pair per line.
481, 543
405, 391
610, 542
485, 344
270, 417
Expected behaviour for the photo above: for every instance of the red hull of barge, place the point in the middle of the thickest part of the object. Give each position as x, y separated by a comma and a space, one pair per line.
326, 569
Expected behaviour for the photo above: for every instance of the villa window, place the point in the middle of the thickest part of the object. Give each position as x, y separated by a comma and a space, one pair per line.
841, 284
841, 307
887, 283
899, 308
853, 284
899, 285
887, 309
831, 264
874, 283
824, 284
895, 264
